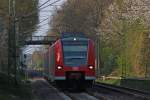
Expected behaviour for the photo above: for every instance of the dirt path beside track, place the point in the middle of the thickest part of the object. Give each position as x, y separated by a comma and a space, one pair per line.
42, 90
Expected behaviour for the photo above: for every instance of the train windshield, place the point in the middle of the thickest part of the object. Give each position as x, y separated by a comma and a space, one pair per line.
75, 53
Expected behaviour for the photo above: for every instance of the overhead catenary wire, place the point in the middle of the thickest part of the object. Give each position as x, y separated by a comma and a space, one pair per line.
36, 11
32, 29
27, 52
47, 10
38, 25
30, 52
40, 8
29, 49
42, 28
44, 20
44, 16
50, 4
44, 3
41, 25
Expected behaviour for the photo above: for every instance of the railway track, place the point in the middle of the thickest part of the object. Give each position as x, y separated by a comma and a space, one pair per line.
81, 96
42, 90
141, 95
104, 92
71, 94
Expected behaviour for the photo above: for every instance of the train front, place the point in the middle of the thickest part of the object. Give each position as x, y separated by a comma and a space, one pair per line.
76, 60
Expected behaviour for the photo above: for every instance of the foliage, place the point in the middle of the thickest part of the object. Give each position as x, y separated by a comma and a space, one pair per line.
129, 83
110, 81
123, 34
108, 59
28, 24
78, 16
37, 60
146, 54
131, 42
23, 7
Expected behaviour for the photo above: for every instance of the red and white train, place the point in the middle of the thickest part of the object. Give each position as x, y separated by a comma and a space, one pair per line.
71, 59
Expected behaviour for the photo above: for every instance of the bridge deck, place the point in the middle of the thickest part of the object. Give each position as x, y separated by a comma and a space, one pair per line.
41, 40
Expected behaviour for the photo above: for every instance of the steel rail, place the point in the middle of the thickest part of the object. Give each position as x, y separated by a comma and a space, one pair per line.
129, 91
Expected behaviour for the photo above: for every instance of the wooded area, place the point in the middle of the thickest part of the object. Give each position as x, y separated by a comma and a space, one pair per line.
119, 28
122, 27
25, 25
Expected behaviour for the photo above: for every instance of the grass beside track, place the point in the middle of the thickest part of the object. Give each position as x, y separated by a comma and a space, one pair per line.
10, 91
21, 92
130, 83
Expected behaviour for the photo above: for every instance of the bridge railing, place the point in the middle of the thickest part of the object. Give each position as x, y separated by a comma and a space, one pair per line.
38, 40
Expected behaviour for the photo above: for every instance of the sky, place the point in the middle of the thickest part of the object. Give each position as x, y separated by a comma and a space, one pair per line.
45, 13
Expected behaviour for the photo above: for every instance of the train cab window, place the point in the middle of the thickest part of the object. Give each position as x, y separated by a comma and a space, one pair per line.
75, 53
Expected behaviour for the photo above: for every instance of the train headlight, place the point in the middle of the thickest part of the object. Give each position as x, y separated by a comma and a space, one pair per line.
59, 67
91, 67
